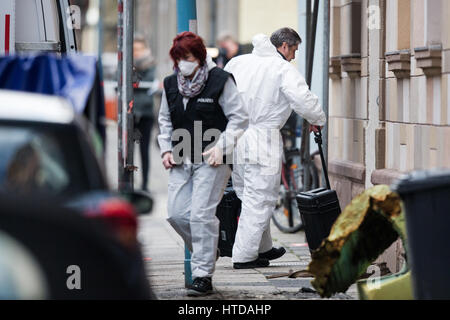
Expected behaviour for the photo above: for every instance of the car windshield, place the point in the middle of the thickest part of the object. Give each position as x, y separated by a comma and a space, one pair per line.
40, 159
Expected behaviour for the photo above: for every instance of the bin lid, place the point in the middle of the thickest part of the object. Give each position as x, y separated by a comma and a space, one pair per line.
316, 198
422, 180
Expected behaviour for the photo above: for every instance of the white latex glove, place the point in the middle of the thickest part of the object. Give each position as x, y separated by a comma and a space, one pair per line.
215, 156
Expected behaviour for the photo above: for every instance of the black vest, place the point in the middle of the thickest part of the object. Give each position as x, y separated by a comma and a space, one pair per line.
203, 108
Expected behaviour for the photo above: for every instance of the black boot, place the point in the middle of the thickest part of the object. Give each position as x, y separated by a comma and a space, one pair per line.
258, 263
200, 287
273, 253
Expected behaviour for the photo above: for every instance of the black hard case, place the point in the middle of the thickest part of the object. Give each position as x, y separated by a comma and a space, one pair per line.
318, 208
228, 212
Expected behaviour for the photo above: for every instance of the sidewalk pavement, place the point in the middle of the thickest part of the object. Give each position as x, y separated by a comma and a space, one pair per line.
163, 250
163, 253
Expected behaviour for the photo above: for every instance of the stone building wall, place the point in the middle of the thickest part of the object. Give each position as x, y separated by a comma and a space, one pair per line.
413, 99
389, 93
417, 116
348, 98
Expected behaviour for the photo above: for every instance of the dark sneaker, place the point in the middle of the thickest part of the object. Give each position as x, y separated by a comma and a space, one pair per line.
273, 253
200, 287
258, 263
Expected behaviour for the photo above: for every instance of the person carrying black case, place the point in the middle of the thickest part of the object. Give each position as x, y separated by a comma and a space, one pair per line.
318, 208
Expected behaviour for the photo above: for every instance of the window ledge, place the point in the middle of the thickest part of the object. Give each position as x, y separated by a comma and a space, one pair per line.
334, 68
429, 59
399, 62
352, 65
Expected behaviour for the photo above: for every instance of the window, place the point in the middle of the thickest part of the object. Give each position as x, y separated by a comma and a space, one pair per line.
40, 160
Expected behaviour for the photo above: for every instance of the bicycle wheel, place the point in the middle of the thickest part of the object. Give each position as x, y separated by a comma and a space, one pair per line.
286, 216
314, 174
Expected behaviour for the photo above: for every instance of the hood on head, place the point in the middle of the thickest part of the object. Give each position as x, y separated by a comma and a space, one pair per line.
262, 46
209, 61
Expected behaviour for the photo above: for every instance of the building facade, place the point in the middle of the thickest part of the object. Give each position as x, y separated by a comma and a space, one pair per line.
389, 92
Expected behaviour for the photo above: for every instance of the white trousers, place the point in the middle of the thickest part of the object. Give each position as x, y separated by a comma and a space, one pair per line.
195, 190
258, 192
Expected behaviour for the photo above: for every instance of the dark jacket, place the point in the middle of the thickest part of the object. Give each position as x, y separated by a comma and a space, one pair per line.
143, 102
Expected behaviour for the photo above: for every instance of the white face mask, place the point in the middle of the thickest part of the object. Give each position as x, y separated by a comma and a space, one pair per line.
187, 68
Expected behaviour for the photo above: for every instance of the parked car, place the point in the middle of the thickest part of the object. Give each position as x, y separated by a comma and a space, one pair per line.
52, 252
21, 277
46, 150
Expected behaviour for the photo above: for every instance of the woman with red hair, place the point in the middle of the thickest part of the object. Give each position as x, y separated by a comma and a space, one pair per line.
202, 107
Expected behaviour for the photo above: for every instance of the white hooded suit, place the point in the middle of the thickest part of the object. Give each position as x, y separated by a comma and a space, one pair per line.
271, 88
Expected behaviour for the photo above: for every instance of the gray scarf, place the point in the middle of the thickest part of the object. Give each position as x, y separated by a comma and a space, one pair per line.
191, 88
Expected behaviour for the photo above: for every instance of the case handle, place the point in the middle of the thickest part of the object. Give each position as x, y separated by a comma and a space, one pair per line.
318, 139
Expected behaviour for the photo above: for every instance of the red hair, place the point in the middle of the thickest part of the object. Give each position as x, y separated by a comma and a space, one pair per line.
185, 43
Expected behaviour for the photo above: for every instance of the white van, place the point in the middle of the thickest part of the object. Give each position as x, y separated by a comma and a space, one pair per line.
38, 26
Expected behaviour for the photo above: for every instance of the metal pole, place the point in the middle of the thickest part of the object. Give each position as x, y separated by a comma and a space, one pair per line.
187, 21
308, 30
100, 30
213, 13
305, 148
326, 82
186, 15
100, 42
125, 93
313, 43
120, 136
128, 100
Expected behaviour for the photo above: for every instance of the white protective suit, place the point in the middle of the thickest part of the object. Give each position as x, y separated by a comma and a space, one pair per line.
271, 88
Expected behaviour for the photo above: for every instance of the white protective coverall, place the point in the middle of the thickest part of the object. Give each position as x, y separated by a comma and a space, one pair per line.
271, 88
195, 190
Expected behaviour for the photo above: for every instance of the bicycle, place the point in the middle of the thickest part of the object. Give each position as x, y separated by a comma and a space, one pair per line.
286, 216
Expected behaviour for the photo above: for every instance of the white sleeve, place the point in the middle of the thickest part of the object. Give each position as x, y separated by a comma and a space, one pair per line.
229, 66
165, 126
236, 113
301, 99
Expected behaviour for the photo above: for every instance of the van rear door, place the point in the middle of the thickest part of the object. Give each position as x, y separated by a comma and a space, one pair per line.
7, 30
38, 26
69, 17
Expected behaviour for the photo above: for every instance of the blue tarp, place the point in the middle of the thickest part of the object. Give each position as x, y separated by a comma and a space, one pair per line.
71, 77
74, 77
